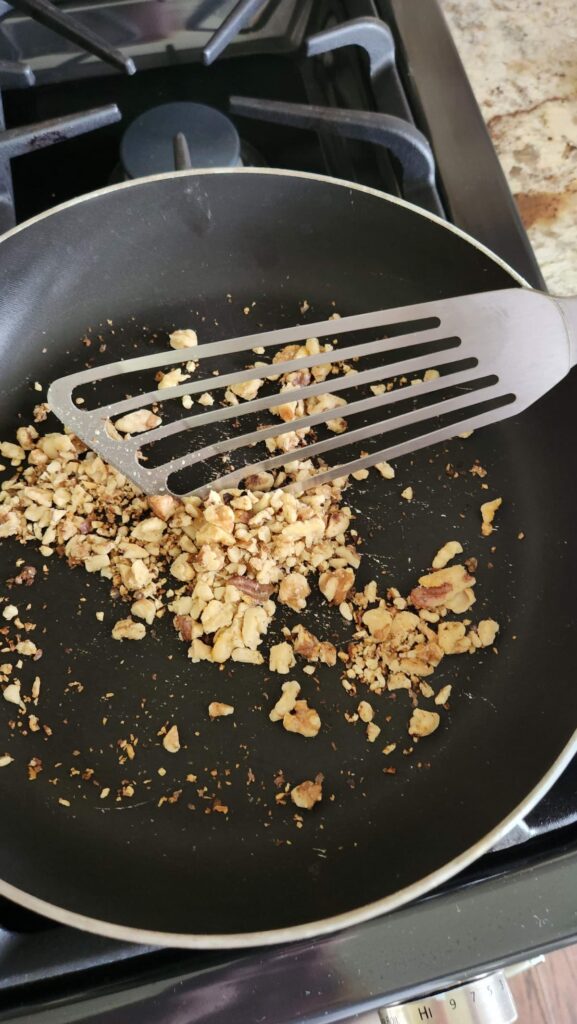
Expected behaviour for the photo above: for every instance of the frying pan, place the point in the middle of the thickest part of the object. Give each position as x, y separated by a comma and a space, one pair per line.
146, 257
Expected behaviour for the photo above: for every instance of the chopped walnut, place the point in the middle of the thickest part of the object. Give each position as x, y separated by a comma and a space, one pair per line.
308, 793
163, 505
487, 631
385, 470
128, 629
365, 711
171, 740
373, 732
488, 510
437, 587
311, 648
138, 421
423, 723
452, 637
286, 702
185, 338
294, 590
303, 720
170, 380
218, 710
443, 694
281, 658
336, 585
446, 553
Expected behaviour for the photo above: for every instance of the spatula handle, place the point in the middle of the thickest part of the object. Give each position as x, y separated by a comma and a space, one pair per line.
568, 308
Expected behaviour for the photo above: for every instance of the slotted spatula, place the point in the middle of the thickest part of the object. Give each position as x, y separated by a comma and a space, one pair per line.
517, 344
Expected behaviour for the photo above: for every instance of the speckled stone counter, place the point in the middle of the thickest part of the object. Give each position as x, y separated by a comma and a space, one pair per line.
521, 59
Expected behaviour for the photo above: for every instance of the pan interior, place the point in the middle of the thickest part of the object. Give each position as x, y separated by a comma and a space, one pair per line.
196, 251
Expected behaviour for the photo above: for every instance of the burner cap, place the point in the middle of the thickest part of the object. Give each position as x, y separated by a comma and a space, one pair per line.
147, 144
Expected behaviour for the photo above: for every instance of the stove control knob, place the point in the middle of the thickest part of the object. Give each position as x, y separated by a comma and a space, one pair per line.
486, 1000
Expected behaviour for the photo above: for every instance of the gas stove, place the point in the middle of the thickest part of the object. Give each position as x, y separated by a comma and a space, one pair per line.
368, 90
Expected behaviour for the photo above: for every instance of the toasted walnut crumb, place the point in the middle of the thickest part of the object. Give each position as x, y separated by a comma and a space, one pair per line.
446, 553
373, 731
171, 740
218, 710
5, 760
138, 421
365, 711
286, 702
488, 510
308, 793
407, 494
385, 469
336, 585
294, 590
185, 338
487, 631
303, 720
12, 694
423, 723
390, 747
128, 629
281, 658
443, 694
63, 801
10, 612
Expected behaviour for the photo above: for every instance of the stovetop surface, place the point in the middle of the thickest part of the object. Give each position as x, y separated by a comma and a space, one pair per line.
50, 965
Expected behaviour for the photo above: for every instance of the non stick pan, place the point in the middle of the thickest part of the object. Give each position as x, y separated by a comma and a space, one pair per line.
196, 250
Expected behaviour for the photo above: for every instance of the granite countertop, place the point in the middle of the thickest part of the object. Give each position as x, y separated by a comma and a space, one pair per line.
521, 59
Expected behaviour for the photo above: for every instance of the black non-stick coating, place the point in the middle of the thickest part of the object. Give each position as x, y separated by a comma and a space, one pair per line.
165, 253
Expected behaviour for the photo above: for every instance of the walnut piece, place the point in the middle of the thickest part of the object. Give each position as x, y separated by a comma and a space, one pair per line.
446, 553
185, 338
336, 585
138, 421
286, 701
303, 720
294, 590
308, 793
171, 740
218, 710
128, 629
487, 631
281, 658
423, 723
311, 648
488, 510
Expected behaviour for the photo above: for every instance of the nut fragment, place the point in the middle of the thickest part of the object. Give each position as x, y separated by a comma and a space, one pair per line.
286, 701
488, 510
336, 585
423, 723
308, 793
128, 629
171, 740
303, 720
138, 421
446, 553
365, 711
281, 658
184, 338
218, 710
487, 631
294, 590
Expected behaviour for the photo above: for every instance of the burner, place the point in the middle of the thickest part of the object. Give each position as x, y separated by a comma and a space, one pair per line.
147, 144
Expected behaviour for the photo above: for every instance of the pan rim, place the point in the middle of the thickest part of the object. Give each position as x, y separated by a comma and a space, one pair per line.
324, 926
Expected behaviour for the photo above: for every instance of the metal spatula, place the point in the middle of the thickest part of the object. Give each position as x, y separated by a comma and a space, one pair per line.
497, 353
